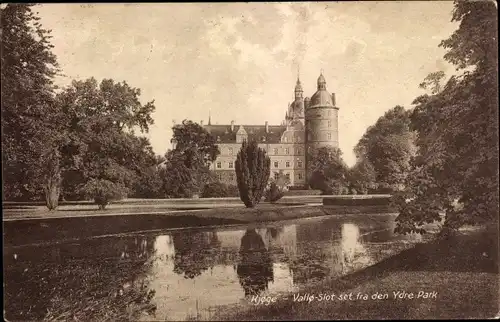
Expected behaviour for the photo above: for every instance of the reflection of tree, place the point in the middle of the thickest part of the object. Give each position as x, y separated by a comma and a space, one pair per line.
195, 252
255, 269
274, 232
100, 279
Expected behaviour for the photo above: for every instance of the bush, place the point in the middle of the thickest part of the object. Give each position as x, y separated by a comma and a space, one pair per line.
357, 201
215, 190
232, 191
273, 193
310, 192
298, 188
103, 191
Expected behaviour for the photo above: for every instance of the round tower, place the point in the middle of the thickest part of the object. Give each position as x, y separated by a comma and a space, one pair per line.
321, 116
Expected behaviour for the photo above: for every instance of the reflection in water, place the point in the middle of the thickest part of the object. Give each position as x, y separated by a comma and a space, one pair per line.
255, 269
81, 282
354, 253
183, 274
194, 252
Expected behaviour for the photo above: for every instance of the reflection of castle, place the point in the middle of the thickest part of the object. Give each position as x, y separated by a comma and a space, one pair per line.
309, 123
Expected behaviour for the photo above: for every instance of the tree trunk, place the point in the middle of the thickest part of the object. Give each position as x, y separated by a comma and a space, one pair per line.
52, 187
52, 192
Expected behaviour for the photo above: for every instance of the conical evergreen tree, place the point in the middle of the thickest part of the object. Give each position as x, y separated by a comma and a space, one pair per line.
252, 167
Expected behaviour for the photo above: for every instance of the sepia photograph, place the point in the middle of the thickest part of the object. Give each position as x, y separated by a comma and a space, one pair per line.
243, 161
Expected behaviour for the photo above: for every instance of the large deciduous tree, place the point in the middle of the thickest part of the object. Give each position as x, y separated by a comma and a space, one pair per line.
388, 146
103, 156
362, 177
187, 170
456, 169
328, 172
30, 119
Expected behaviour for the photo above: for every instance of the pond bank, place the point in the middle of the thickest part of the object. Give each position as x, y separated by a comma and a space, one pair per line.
456, 278
25, 230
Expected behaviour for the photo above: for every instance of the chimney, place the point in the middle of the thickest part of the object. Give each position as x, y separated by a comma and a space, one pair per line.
333, 99
232, 126
267, 127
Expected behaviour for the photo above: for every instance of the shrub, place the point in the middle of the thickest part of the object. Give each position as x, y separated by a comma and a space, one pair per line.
276, 188
103, 191
252, 173
273, 193
233, 191
298, 188
310, 192
215, 190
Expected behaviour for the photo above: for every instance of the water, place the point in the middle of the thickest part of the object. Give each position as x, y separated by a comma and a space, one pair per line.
187, 274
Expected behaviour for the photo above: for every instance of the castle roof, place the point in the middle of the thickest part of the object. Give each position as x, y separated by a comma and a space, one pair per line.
321, 98
223, 133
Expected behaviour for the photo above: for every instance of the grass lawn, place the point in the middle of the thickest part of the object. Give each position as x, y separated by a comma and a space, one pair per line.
462, 269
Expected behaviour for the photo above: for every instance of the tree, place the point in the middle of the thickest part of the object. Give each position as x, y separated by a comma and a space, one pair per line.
388, 146
149, 183
457, 160
362, 177
190, 136
328, 172
30, 119
102, 152
252, 167
195, 148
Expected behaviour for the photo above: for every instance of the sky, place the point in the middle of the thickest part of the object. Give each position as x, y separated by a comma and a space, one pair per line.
240, 61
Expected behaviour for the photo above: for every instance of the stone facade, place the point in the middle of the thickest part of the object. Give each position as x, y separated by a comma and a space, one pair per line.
309, 124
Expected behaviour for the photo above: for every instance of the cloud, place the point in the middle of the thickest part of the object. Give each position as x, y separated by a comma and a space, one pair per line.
240, 60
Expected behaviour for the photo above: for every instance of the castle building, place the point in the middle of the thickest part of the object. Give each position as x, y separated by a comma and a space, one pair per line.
310, 123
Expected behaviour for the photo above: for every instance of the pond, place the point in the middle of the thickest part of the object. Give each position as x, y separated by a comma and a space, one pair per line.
187, 274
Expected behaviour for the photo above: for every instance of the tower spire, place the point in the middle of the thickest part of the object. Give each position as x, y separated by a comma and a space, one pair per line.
298, 86
209, 118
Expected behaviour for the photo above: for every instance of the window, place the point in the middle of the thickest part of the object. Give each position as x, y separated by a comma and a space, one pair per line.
329, 136
276, 175
276, 165
287, 176
329, 123
287, 151
219, 176
230, 150
299, 151
300, 176
230, 164
275, 150
219, 165
287, 164
231, 176
299, 164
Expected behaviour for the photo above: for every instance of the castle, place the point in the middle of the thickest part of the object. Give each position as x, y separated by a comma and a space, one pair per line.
310, 123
